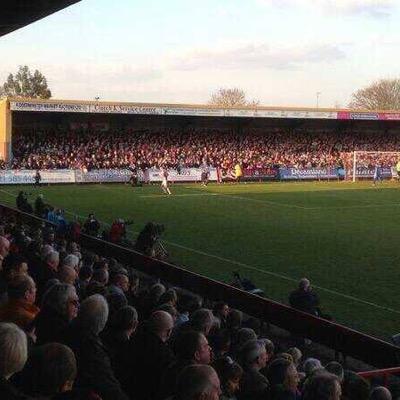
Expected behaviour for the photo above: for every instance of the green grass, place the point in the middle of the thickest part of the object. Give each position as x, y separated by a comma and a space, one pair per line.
343, 236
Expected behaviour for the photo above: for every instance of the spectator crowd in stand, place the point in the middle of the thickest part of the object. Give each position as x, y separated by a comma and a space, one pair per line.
176, 148
74, 325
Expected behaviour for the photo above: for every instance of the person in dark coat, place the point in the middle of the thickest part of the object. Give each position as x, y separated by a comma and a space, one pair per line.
284, 379
148, 357
60, 306
94, 365
117, 334
191, 348
254, 385
46, 272
304, 298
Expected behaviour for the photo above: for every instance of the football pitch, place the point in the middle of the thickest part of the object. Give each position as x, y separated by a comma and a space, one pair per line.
343, 236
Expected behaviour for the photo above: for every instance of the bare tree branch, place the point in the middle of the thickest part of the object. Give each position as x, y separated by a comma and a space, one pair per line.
233, 97
380, 95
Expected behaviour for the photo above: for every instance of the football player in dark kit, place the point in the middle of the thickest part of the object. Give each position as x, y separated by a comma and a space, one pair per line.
38, 178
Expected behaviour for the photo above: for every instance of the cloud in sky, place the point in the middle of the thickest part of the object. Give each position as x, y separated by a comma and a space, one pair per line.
258, 56
374, 8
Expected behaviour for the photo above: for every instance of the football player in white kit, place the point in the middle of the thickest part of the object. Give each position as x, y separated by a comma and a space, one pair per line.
164, 181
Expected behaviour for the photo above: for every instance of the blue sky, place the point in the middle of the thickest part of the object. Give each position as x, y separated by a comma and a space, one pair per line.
279, 51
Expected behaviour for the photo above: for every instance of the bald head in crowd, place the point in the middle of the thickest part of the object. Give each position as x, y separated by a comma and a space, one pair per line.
380, 393
197, 382
161, 324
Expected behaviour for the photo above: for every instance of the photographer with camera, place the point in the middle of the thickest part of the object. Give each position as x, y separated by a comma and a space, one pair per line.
149, 242
91, 226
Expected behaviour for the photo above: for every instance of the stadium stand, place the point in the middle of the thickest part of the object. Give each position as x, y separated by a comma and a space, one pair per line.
177, 148
131, 339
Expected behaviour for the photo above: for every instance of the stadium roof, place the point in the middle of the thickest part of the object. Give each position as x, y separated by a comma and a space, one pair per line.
15, 14
100, 107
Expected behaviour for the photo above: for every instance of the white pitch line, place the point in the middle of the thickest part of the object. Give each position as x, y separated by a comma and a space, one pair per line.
279, 204
381, 205
161, 195
284, 277
252, 268
233, 196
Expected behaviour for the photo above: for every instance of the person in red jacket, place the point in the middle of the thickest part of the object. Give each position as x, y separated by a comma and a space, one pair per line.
117, 231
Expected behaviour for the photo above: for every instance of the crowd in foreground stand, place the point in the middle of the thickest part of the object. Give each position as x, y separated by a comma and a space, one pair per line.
178, 148
74, 325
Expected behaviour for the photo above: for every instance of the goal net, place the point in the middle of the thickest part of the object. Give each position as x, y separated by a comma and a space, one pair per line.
363, 164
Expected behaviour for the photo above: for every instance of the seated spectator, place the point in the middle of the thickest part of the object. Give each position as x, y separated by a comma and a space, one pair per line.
355, 387
253, 323
253, 357
230, 373
20, 307
234, 321
119, 330
14, 353
311, 365
67, 274
47, 271
283, 378
191, 347
170, 309
169, 297
335, 368
304, 298
85, 275
221, 343
269, 348
221, 312
243, 335
115, 293
148, 356
59, 307
296, 355
380, 393
50, 372
201, 320
94, 365
204, 384
73, 261
15, 265
4, 249
150, 301
323, 386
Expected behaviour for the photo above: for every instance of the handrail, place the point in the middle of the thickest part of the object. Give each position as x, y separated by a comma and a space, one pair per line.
348, 341
385, 373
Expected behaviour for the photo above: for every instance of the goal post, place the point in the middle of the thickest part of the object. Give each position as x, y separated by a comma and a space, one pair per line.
362, 164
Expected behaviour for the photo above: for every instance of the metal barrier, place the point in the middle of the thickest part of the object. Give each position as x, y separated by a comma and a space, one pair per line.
380, 373
342, 339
